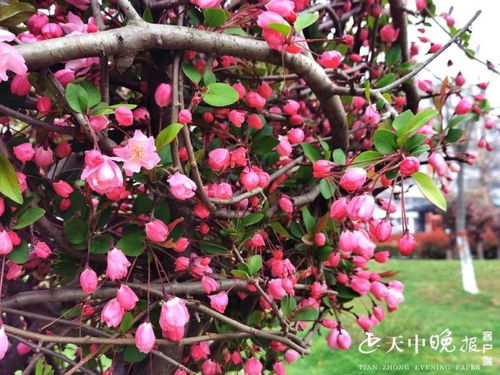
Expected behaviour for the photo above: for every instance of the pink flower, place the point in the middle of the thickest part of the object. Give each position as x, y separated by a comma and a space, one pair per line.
145, 337
20, 85
338, 210
140, 151
437, 162
181, 186
249, 179
284, 148
42, 250
353, 179
330, 59
295, 136
388, 34
43, 156
322, 168
409, 165
236, 117
124, 116
407, 244
209, 285
185, 116
421, 5
52, 30
163, 95
267, 18
181, 244
88, 280
463, 107
204, 4
126, 297
379, 290
219, 301
112, 313
157, 231
253, 367
275, 289
365, 323
360, 285
174, 314
117, 264
219, 159
282, 7
394, 295
4, 342
65, 76
24, 152
99, 122
200, 351
382, 256
36, 22
101, 173
254, 99
210, 367
378, 313
62, 188
383, 230
265, 90
83, 5
338, 339
291, 355
10, 58
141, 116
371, 116
255, 122
361, 208
5, 242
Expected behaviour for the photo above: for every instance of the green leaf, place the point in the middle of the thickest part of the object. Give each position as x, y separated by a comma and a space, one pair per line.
308, 218
430, 190
190, 72
278, 228
240, 274
339, 156
401, 120
162, 211
323, 252
93, 94
327, 188
456, 120
77, 97
385, 141
9, 184
75, 231
220, 95
14, 13
101, 244
142, 205
214, 17
127, 322
148, 16
132, 355
209, 77
419, 120
386, 80
235, 31
212, 247
311, 152
28, 217
283, 28
366, 158
420, 150
20, 254
307, 314
454, 135
132, 241
264, 144
393, 56
414, 141
251, 219
167, 135
305, 20
254, 264
288, 304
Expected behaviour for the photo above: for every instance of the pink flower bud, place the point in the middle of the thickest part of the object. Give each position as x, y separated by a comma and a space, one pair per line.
295, 136
181, 186
163, 95
388, 34
365, 323
275, 289
20, 85
338, 339
24, 152
141, 116
383, 230
204, 4
407, 244
409, 165
124, 116
209, 285
36, 22
254, 100
51, 30
361, 208
112, 313
382, 256
460, 79
185, 116
253, 367
4, 342
285, 204
63, 149
249, 179
157, 231
5, 243
23, 348
145, 337
463, 107
279, 368
437, 162
322, 168
174, 314
264, 89
44, 105
181, 244
319, 239
255, 122
240, 89
2, 206
99, 122
219, 159
117, 264
62, 188
88, 280
42, 250
126, 297
219, 301
291, 355
360, 285
43, 156
236, 117
291, 107
330, 59
371, 116
353, 179
338, 210
378, 289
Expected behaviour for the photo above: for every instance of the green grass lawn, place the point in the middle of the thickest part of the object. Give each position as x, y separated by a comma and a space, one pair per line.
434, 301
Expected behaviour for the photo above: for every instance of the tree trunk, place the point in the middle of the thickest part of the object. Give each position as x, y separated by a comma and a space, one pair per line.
480, 250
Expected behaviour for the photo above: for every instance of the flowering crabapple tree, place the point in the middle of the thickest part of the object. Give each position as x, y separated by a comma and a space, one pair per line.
190, 186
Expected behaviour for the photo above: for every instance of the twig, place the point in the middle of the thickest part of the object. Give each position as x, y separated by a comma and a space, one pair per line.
129, 10
103, 60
